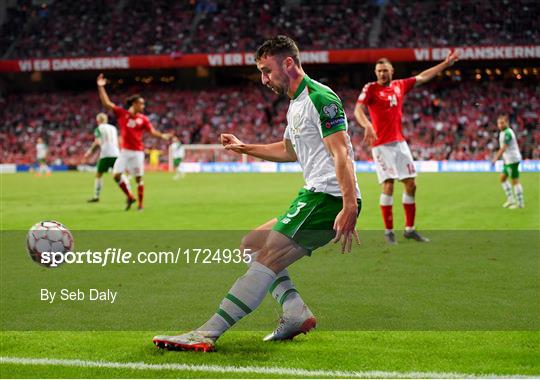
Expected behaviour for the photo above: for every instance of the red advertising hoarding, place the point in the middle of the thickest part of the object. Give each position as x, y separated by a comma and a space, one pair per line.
246, 59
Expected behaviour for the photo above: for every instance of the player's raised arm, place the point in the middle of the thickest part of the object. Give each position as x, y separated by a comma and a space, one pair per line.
345, 223
360, 114
103, 97
427, 75
281, 151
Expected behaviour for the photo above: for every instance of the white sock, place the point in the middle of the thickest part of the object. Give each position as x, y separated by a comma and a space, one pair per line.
508, 190
518, 189
284, 291
98, 184
245, 296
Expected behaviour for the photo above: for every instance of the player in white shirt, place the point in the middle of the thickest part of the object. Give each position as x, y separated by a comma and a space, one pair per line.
41, 157
509, 150
326, 208
106, 139
178, 152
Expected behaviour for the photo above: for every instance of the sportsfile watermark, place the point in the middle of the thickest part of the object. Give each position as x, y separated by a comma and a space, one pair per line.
113, 256
175, 280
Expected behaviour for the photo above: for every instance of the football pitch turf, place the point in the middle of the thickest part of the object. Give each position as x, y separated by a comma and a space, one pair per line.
467, 303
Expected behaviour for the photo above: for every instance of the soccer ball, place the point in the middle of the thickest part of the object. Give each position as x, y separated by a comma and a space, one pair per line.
48, 236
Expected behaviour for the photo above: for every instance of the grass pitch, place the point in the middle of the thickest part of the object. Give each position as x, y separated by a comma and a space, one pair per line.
466, 303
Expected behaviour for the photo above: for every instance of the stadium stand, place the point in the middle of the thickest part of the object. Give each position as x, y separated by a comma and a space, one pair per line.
438, 122
147, 27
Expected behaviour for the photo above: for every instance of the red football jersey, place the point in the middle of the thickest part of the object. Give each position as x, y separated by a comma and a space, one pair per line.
385, 106
132, 128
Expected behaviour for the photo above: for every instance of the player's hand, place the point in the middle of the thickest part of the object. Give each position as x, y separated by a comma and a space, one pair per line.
231, 142
452, 58
228, 139
101, 81
166, 136
345, 227
369, 135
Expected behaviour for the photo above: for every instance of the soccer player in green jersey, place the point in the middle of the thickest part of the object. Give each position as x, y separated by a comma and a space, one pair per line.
42, 151
326, 208
509, 150
106, 139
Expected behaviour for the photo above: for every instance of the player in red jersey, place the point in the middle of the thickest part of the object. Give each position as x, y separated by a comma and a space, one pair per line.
392, 156
132, 125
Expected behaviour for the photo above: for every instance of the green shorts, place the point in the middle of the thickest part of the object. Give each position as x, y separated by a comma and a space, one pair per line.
177, 162
41, 161
309, 221
105, 163
511, 170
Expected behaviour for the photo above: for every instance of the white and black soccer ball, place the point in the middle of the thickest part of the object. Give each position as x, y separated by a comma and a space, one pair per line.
48, 236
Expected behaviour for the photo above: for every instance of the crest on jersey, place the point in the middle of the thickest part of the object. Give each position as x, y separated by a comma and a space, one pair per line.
397, 90
131, 123
330, 110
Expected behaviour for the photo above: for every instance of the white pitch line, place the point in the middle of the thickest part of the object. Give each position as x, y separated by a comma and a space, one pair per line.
247, 370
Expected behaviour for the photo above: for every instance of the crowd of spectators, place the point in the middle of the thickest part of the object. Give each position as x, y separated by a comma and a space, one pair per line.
443, 120
460, 23
133, 27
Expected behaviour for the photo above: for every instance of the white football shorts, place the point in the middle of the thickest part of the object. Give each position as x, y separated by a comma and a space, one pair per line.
393, 161
130, 160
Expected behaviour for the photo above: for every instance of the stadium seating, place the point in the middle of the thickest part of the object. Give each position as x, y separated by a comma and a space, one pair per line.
134, 27
438, 121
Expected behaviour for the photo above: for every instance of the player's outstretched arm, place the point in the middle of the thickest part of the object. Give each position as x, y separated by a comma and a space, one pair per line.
345, 223
369, 133
103, 97
427, 75
164, 136
281, 151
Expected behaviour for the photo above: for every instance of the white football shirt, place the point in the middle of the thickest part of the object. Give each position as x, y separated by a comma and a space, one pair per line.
314, 113
512, 154
108, 136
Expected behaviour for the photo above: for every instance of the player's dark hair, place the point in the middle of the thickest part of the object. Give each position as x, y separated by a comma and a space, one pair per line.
503, 116
132, 99
279, 45
383, 60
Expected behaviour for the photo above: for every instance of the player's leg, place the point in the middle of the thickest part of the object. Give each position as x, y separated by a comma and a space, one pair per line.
140, 192
178, 168
409, 205
136, 166
119, 168
246, 295
386, 203
385, 166
407, 174
518, 189
38, 168
282, 289
507, 188
98, 184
